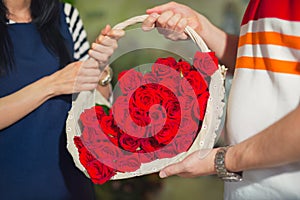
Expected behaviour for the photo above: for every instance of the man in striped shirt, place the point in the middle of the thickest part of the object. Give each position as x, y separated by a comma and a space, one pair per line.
263, 111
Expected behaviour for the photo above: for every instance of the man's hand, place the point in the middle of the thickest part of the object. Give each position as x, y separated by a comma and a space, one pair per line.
199, 163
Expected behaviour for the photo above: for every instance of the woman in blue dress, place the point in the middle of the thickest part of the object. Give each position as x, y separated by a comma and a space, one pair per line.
42, 48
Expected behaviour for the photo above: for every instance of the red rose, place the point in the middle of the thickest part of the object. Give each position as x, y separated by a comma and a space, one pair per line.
188, 125
91, 135
167, 133
78, 143
129, 162
146, 157
129, 143
153, 129
202, 101
121, 74
186, 89
133, 129
167, 94
85, 156
172, 107
120, 110
99, 111
171, 82
99, 172
139, 116
170, 104
149, 144
106, 152
130, 81
183, 142
108, 126
185, 103
206, 63
168, 151
199, 106
169, 61
162, 71
172, 85
184, 67
197, 82
144, 97
158, 117
150, 78
89, 118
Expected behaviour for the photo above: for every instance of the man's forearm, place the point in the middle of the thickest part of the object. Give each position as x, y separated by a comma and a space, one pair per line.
277, 145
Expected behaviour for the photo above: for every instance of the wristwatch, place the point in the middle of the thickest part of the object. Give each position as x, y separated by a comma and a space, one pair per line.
107, 79
221, 170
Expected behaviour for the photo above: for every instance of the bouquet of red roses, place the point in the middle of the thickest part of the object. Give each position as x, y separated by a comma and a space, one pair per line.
157, 115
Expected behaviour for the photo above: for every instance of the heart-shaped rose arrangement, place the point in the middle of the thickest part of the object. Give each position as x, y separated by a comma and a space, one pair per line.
158, 115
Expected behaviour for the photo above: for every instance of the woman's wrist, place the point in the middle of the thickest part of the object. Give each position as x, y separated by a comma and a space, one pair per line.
106, 76
44, 88
105, 91
202, 27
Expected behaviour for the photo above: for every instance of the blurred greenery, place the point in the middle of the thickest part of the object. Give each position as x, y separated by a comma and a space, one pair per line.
151, 187
137, 188
69, 1
95, 14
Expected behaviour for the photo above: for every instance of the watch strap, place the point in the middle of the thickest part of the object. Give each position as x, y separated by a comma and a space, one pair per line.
220, 167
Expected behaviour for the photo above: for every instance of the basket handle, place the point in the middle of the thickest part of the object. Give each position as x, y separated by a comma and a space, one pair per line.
188, 30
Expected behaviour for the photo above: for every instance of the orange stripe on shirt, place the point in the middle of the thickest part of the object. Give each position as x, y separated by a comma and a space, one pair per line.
270, 38
269, 64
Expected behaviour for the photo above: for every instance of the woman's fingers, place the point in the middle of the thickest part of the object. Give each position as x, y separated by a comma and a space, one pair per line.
105, 45
164, 18
169, 24
162, 8
116, 34
106, 29
149, 22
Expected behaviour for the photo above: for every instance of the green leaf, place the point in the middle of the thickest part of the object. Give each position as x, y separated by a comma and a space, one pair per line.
105, 108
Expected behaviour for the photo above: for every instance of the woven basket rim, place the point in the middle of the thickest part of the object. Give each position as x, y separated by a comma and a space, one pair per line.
212, 120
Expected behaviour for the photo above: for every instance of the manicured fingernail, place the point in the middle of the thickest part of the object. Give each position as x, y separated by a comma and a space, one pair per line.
162, 174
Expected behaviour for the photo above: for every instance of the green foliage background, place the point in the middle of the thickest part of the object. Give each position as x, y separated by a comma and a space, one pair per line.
69, 1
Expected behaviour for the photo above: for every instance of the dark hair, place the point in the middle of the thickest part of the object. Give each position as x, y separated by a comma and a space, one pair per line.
46, 16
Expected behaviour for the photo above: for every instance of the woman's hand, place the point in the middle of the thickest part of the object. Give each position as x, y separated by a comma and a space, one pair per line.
105, 45
75, 77
172, 18
83, 76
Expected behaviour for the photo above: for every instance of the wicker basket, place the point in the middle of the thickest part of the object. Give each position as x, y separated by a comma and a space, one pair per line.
211, 127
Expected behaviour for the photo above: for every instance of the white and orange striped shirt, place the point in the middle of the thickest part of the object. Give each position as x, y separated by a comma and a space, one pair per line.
265, 88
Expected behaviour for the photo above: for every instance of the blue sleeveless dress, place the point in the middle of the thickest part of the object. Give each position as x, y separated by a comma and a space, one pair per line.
34, 161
